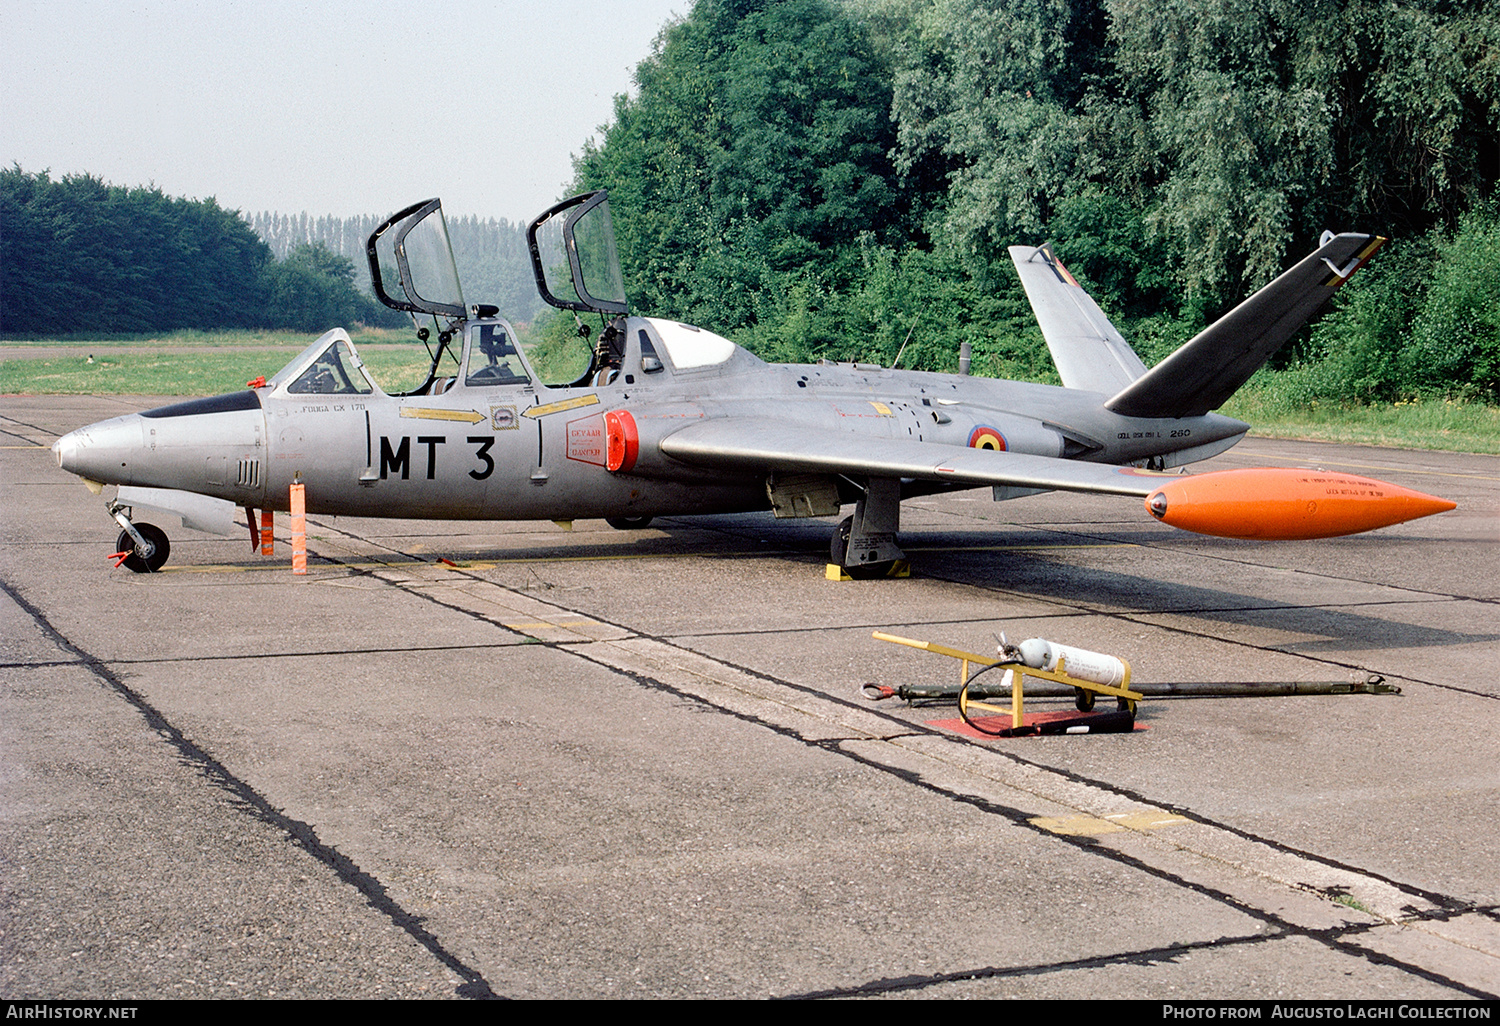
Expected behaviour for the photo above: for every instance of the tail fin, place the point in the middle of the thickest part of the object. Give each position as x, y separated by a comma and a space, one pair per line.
1211, 366
1089, 352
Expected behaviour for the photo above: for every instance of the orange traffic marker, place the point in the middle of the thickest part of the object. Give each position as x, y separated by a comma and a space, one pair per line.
299, 528
1277, 504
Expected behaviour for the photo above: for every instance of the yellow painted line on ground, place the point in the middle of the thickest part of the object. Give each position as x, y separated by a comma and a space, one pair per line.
1365, 466
529, 627
220, 568
1093, 826
313, 567
490, 564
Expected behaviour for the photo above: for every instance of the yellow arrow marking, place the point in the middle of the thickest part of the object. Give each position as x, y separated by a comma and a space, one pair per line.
468, 416
558, 407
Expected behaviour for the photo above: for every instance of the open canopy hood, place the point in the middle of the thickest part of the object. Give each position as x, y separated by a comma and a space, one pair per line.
572, 249
410, 253
573, 255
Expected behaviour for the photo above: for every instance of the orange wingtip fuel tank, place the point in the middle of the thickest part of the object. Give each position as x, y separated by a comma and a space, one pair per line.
1278, 504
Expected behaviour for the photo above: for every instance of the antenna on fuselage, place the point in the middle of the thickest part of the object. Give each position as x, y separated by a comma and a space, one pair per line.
897, 361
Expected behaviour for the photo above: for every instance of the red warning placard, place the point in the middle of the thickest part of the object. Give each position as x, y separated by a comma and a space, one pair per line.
586, 440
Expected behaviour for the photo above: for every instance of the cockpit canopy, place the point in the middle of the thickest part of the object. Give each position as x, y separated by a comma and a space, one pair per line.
329, 366
410, 254
572, 249
575, 267
574, 257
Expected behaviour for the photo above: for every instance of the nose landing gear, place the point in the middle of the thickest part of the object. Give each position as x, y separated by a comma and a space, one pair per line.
143, 547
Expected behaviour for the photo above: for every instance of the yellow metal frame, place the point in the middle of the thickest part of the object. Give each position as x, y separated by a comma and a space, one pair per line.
1019, 673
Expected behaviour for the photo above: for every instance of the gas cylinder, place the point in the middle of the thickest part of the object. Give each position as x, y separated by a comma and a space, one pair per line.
1040, 654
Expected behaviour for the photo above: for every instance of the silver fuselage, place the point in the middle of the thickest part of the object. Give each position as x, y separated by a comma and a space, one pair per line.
527, 451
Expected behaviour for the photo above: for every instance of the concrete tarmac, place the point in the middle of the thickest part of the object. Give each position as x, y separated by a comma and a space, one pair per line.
595, 763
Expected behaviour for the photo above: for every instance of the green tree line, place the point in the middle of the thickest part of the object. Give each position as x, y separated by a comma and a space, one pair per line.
78, 254
840, 179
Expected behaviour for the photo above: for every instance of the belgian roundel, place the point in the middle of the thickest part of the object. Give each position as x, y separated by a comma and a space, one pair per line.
986, 437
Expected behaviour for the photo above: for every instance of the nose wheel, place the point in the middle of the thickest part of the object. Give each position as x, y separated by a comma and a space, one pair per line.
141, 547
157, 548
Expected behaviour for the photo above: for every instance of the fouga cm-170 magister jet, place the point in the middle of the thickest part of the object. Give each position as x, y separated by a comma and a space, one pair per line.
671, 419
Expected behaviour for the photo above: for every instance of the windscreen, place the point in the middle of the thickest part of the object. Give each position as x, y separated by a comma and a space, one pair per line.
328, 365
336, 372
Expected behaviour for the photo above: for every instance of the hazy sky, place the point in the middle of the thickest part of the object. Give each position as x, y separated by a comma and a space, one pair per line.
333, 108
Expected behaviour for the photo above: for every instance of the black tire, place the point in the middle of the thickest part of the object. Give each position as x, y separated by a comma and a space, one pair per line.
161, 549
628, 523
1084, 699
838, 551
838, 545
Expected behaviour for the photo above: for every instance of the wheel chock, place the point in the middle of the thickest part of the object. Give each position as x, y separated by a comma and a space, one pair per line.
901, 568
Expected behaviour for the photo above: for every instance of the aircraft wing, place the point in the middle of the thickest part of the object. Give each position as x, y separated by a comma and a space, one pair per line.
1207, 370
1088, 350
754, 444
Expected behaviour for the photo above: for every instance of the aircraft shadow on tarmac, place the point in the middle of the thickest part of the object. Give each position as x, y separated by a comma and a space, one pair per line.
1035, 563
1047, 574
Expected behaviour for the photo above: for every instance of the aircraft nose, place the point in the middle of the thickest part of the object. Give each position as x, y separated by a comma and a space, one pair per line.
101, 452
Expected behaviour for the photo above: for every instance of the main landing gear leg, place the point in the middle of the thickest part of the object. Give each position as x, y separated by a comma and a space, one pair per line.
145, 545
864, 545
